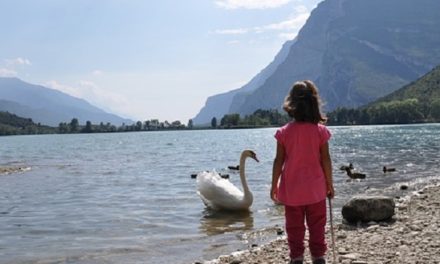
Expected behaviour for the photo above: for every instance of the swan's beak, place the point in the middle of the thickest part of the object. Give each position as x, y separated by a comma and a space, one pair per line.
252, 155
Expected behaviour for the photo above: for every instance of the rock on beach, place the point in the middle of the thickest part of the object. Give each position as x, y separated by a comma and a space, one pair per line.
368, 208
412, 238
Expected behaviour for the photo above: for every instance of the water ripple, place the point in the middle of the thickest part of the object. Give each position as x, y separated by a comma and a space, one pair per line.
127, 197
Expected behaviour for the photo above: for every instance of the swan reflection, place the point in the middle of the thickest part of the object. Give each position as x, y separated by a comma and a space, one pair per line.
220, 222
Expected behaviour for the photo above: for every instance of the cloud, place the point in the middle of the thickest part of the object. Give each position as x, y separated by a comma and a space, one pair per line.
18, 61
63, 88
288, 28
233, 42
250, 4
287, 36
97, 72
301, 9
7, 73
237, 31
88, 85
294, 23
10, 67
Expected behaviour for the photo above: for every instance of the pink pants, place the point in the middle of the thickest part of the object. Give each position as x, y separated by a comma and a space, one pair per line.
315, 216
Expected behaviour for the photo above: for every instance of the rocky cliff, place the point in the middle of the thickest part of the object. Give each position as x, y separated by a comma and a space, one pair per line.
221, 104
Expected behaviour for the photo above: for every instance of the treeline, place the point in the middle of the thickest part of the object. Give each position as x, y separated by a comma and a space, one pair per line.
11, 124
149, 125
406, 111
260, 118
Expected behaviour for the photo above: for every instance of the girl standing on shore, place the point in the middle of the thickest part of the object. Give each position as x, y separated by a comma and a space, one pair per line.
302, 172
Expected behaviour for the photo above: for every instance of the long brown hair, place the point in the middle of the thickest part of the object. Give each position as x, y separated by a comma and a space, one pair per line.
303, 103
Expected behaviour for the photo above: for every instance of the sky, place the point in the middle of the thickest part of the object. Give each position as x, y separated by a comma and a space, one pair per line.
145, 59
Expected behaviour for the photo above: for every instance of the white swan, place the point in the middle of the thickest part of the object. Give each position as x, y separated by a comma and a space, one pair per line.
220, 194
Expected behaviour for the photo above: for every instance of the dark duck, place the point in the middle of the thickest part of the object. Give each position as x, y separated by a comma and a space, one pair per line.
355, 175
385, 169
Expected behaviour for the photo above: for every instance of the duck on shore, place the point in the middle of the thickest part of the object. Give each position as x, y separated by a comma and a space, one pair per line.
355, 175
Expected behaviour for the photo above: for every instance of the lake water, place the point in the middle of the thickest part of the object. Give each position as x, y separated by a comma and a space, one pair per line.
129, 197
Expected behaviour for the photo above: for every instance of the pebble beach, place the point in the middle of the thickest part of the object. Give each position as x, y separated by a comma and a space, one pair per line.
411, 237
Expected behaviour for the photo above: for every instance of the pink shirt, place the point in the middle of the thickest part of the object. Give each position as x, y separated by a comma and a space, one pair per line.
302, 180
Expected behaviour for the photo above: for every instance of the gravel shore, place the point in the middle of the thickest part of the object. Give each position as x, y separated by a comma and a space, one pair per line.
412, 237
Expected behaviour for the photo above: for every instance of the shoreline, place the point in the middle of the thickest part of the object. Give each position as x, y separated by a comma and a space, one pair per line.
413, 236
5, 170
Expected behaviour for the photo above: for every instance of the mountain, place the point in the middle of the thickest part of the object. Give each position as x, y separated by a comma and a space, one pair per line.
48, 106
425, 89
221, 104
355, 51
416, 102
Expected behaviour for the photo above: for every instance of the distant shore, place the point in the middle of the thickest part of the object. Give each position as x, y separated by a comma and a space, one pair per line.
412, 237
13, 169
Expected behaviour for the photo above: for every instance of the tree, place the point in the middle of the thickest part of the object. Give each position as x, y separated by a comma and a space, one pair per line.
230, 120
190, 124
138, 126
74, 125
214, 122
102, 127
88, 127
147, 125
63, 128
176, 124
435, 110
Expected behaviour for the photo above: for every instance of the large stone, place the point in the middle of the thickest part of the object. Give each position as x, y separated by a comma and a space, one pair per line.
368, 208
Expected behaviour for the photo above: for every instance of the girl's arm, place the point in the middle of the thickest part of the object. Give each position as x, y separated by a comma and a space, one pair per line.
276, 171
326, 164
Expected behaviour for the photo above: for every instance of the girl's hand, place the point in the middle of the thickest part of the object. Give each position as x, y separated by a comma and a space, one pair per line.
274, 195
330, 191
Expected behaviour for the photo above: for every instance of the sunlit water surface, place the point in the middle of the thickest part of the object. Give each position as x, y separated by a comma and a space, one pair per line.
130, 198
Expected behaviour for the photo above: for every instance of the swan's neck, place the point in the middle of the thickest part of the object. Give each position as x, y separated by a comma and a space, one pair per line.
246, 190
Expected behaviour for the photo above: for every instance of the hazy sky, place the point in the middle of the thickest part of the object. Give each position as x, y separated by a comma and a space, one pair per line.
145, 59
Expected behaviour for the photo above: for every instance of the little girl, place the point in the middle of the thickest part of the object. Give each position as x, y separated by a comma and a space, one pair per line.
304, 165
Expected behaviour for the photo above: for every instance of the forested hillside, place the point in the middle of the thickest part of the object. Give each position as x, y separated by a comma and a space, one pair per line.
416, 102
11, 124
